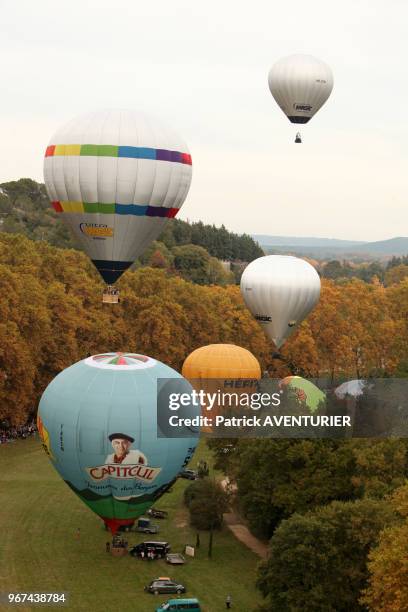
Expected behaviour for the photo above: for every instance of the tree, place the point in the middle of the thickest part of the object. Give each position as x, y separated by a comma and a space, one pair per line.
318, 561
396, 274
207, 501
388, 584
276, 478
157, 255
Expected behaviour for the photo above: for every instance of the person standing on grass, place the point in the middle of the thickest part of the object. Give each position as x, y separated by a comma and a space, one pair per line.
228, 602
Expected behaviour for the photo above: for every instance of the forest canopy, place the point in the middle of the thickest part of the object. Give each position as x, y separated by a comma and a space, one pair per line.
51, 316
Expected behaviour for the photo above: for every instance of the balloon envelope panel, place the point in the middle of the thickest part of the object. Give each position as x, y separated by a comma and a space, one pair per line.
98, 422
116, 177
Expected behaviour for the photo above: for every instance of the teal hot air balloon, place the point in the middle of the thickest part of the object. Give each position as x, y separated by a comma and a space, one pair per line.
98, 423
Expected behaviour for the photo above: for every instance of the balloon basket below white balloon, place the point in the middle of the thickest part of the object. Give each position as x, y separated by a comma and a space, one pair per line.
110, 295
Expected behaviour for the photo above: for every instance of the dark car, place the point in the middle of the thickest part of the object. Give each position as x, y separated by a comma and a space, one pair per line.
189, 474
156, 513
165, 585
160, 549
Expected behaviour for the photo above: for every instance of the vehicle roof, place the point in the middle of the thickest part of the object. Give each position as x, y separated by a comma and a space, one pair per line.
183, 600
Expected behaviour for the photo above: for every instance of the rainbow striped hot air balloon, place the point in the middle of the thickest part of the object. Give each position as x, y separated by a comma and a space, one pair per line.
116, 177
99, 427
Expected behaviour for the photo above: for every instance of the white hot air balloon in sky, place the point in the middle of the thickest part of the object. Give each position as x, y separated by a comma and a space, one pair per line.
300, 85
116, 177
280, 291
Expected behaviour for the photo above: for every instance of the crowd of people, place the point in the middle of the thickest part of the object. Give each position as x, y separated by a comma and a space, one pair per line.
10, 434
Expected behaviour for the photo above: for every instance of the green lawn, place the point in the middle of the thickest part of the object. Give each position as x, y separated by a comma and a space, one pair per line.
39, 550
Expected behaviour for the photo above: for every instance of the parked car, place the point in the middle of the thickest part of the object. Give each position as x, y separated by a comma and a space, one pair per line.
187, 605
144, 525
175, 559
189, 474
160, 549
165, 585
156, 513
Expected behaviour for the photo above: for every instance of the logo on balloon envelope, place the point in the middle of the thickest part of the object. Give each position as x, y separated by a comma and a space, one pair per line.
263, 318
96, 230
302, 107
140, 472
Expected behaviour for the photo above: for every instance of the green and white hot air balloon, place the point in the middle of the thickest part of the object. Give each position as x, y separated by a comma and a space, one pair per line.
116, 177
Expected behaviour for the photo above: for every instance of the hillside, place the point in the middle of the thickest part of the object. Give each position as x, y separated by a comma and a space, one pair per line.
25, 209
382, 249
303, 241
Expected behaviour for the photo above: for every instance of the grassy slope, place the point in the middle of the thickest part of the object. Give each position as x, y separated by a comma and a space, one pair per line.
39, 550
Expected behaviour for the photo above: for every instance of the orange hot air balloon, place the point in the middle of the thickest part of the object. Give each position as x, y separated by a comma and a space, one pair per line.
221, 367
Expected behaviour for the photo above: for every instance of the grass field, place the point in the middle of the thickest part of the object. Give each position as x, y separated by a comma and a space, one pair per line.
39, 550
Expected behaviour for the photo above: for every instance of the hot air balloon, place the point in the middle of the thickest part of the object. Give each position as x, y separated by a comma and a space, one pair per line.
351, 389
116, 177
98, 424
300, 84
304, 391
280, 291
221, 367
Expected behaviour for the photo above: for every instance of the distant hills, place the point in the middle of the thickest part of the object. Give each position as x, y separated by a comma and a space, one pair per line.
322, 248
265, 240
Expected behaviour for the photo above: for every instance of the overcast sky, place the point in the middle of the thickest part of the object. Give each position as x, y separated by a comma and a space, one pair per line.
202, 68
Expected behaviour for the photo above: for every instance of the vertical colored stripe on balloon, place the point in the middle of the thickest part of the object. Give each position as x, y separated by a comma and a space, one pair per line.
131, 209
137, 152
57, 206
186, 158
99, 150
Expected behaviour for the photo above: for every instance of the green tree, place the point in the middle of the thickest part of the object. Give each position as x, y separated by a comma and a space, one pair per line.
207, 501
192, 262
318, 561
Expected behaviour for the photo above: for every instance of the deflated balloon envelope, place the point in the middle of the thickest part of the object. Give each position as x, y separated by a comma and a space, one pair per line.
98, 423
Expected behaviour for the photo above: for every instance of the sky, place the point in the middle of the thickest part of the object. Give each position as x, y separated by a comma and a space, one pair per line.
202, 68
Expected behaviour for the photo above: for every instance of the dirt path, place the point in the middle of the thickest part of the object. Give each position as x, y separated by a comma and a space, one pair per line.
241, 531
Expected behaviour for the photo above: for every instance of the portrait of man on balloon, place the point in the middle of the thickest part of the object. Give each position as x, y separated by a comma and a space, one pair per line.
121, 444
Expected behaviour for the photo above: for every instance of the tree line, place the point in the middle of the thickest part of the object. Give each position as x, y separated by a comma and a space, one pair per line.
394, 271
25, 209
